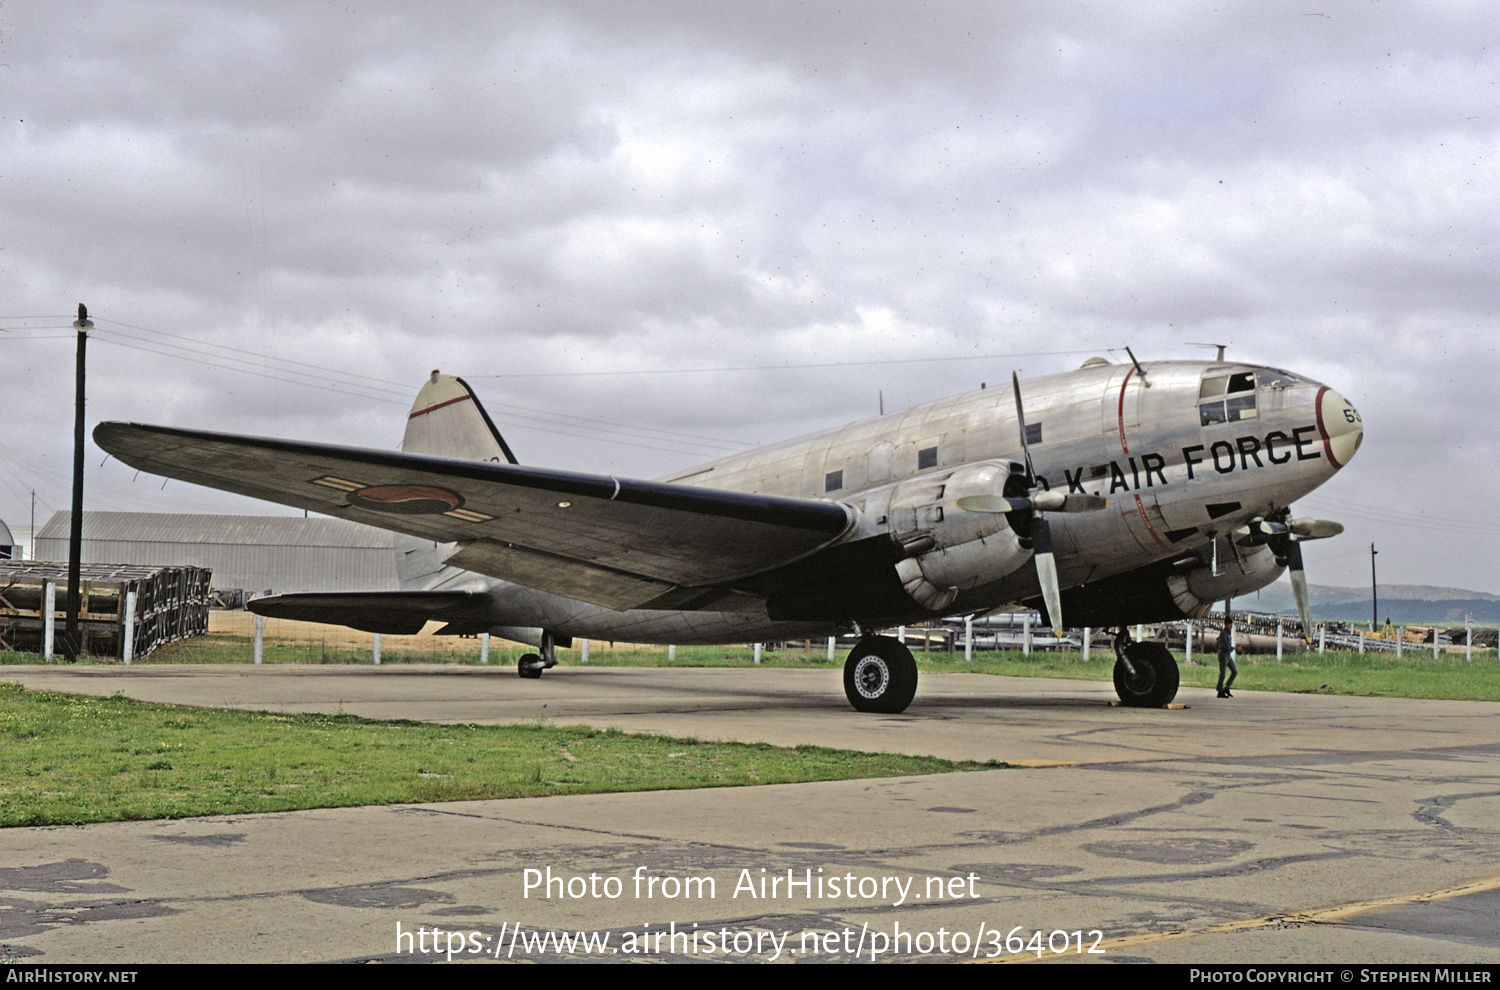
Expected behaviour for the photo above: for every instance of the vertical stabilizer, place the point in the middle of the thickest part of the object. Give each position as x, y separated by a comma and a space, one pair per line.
448, 421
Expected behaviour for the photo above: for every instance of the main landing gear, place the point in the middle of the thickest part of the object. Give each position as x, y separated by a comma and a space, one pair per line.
1145, 673
531, 665
880, 675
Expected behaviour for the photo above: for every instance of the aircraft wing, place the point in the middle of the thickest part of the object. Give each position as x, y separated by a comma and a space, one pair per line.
611, 541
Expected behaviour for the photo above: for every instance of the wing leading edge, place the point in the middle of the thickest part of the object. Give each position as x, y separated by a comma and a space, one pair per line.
617, 542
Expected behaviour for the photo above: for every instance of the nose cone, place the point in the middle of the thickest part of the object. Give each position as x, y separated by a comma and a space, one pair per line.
1340, 425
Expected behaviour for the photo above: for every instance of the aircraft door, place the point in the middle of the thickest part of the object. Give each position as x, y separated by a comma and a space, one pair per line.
1134, 470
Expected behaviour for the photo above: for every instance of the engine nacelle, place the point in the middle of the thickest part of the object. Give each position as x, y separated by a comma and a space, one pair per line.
1195, 591
953, 550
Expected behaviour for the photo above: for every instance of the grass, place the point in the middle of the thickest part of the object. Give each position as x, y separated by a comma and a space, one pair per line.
75, 759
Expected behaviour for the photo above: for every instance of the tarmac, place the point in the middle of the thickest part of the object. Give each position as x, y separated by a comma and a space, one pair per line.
1267, 828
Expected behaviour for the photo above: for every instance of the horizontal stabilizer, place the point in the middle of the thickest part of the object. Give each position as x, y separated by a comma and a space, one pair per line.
396, 613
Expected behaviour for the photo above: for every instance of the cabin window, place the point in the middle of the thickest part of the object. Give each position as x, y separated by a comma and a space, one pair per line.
833, 481
926, 458
1231, 398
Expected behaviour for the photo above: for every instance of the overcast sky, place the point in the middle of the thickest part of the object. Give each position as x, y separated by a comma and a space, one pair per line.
283, 216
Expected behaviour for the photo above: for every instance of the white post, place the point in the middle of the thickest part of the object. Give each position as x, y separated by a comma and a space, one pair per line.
260, 625
49, 609
1434, 642
583, 651
1187, 642
1469, 638
901, 634
377, 648
831, 641
757, 654
1278, 640
968, 639
127, 648
1400, 635
484, 647
1361, 641
671, 653
1088, 639
1322, 638
1026, 635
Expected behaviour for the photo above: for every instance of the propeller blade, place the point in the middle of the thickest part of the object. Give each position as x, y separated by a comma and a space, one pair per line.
1071, 502
1015, 385
1315, 529
1046, 570
1041, 501
993, 503
1299, 587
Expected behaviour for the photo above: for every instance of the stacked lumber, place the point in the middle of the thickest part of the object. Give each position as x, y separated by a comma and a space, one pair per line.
170, 603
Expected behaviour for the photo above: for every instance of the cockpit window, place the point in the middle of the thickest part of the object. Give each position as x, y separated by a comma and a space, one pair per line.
1232, 398
1276, 378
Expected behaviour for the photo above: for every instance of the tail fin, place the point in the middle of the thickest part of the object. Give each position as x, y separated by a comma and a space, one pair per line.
448, 421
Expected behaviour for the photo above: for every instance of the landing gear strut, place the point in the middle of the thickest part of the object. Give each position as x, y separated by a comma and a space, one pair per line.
531, 665
880, 675
1145, 673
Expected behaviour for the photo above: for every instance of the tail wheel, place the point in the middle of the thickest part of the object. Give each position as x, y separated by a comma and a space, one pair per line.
880, 676
1154, 683
531, 667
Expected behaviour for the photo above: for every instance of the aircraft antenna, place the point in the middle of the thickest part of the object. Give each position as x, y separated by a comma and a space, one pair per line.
1138, 369
1220, 347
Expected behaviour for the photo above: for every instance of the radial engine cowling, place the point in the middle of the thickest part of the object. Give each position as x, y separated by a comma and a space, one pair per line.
959, 550
1195, 590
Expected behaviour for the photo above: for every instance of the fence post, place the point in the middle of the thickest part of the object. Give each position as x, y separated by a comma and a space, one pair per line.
377, 648
49, 608
1278, 640
831, 641
127, 647
1088, 638
968, 639
484, 648
260, 626
757, 654
583, 651
671, 653
1026, 634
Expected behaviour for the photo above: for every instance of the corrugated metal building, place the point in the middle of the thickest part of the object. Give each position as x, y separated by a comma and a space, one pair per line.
255, 553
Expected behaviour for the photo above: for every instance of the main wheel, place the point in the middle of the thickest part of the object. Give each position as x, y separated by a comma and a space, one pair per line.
880, 676
1155, 680
531, 667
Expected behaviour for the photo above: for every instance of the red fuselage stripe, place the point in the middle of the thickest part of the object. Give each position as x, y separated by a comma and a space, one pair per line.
1323, 430
423, 412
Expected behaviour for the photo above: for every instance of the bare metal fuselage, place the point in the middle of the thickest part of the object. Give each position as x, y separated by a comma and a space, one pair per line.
1185, 457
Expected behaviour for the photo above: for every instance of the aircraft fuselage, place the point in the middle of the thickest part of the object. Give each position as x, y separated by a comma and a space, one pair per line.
1185, 455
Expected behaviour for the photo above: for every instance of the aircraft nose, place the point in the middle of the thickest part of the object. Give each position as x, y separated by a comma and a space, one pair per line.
1340, 425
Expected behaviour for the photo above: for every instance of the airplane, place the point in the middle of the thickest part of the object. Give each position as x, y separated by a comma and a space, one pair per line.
1114, 494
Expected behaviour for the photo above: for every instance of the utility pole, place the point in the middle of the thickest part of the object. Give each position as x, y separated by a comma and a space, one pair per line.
71, 639
1374, 594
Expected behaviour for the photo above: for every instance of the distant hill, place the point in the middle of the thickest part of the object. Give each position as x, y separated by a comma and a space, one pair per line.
1401, 603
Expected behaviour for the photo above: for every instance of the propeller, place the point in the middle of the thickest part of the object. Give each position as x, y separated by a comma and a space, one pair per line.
1285, 536
1027, 502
